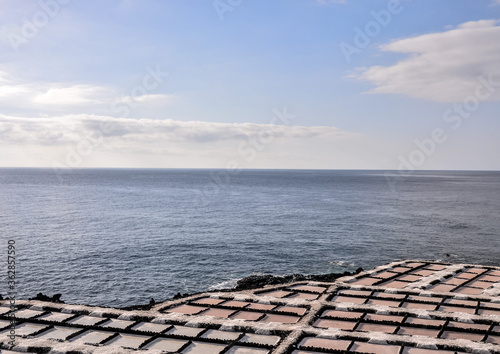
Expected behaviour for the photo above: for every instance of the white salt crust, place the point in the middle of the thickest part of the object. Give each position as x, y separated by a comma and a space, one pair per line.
294, 330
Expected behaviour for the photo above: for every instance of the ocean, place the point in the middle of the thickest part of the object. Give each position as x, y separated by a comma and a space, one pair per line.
118, 237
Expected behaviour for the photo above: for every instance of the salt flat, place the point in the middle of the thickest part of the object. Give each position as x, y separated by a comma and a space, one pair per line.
408, 307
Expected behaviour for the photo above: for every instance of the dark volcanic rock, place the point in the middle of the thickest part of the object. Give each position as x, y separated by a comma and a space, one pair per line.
55, 298
259, 281
147, 307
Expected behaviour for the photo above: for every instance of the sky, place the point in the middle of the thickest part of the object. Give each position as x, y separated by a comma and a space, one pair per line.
233, 84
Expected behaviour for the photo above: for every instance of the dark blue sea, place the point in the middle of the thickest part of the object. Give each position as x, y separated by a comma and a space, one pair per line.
119, 237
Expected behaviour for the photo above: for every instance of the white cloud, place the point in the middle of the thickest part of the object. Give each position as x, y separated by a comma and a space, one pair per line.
149, 98
169, 143
75, 141
70, 129
71, 95
68, 97
442, 66
15, 93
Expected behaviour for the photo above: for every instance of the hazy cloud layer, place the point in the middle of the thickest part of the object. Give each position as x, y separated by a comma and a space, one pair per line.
68, 97
442, 66
98, 141
72, 128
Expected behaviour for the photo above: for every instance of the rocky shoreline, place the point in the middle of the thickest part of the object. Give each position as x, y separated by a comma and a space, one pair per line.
408, 306
246, 283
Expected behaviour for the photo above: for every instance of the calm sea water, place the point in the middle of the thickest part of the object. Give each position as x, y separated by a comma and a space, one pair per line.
120, 237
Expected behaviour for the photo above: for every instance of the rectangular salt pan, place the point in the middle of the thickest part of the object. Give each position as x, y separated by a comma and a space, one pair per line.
185, 331
167, 344
4, 310
260, 339
114, 323
92, 337
150, 327
56, 316
216, 334
27, 313
246, 350
86, 320
25, 329
58, 332
204, 348
128, 340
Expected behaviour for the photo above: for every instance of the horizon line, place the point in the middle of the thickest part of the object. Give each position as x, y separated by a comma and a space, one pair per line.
245, 169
